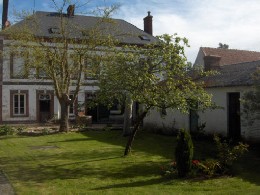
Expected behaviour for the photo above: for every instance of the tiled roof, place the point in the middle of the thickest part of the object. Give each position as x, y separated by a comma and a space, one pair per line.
231, 56
233, 75
122, 30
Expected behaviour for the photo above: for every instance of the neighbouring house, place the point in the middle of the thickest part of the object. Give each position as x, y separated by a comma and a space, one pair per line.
32, 99
234, 78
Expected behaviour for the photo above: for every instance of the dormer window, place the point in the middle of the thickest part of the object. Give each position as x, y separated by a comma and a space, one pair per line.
54, 30
144, 38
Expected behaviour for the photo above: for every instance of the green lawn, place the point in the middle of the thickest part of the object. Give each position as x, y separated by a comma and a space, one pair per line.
92, 163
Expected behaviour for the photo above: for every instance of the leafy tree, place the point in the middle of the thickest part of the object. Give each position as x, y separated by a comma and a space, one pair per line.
63, 56
251, 101
223, 46
156, 76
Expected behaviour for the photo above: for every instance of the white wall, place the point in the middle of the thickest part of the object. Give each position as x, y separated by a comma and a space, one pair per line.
216, 120
172, 120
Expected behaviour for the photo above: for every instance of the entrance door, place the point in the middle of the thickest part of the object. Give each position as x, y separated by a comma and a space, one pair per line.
45, 110
234, 124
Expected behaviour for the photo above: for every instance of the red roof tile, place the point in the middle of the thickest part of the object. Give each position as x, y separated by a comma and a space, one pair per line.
232, 56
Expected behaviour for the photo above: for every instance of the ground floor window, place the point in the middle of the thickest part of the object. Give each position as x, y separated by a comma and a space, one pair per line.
72, 107
19, 103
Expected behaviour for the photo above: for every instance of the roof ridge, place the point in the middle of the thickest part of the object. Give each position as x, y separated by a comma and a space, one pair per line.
77, 15
243, 50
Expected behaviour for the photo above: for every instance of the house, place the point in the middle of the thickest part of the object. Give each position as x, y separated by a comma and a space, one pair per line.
234, 78
32, 98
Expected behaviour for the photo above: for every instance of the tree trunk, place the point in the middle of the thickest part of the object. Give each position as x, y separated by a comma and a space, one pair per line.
136, 127
64, 120
128, 116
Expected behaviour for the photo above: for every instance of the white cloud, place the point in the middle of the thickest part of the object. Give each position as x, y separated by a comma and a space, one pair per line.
203, 22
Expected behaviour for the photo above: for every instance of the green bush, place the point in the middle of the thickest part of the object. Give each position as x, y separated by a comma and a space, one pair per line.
228, 153
184, 153
7, 130
210, 167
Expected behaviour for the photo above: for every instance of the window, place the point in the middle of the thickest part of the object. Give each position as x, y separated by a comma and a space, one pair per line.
144, 38
74, 63
41, 69
19, 66
19, 103
72, 106
54, 30
92, 68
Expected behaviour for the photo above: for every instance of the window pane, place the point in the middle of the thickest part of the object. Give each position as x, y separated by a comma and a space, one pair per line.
16, 111
21, 110
21, 98
15, 98
71, 109
21, 104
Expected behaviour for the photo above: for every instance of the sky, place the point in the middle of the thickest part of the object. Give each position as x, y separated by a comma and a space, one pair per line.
205, 23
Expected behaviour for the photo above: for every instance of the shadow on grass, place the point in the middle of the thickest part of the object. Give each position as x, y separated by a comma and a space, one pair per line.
248, 167
72, 140
144, 142
133, 184
52, 167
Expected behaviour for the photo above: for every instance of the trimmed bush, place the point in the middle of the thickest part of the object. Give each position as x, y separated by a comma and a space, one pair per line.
184, 153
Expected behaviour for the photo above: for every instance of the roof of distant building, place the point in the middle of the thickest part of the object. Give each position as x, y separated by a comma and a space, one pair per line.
231, 56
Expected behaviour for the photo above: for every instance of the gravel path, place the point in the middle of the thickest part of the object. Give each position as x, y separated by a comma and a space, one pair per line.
5, 186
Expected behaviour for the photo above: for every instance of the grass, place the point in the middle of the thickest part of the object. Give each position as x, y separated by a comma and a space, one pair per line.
92, 163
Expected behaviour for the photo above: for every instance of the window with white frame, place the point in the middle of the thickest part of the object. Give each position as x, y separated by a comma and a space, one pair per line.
19, 104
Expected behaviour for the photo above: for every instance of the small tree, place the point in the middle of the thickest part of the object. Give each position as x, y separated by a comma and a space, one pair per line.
156, 76
184, 153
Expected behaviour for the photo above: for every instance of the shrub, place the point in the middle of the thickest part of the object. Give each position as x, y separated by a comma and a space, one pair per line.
6, 130
170, 170
20, 130
184, 153
210, 167
227, 153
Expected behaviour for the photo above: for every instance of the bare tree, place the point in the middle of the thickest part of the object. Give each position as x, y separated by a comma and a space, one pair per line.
62, 56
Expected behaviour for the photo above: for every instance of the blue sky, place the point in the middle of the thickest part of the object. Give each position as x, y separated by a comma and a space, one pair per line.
204, 22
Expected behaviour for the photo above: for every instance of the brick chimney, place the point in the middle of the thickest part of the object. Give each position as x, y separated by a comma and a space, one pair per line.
148, 24
5, 13
70, 10
211, 62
